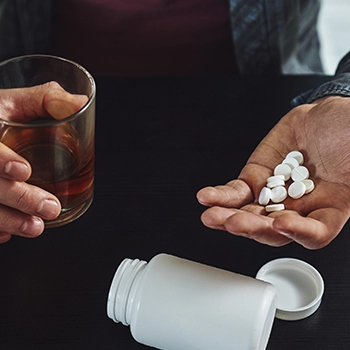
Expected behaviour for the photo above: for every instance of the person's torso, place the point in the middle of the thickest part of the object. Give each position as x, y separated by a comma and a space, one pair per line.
145, 37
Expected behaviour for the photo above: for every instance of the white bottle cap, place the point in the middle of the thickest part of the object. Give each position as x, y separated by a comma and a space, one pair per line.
299, 287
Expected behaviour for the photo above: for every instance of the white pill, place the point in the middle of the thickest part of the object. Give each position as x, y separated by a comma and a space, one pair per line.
309, 185
264, 196
275, 183
297, 155
283, 169
274, 207
296, 189
275, 177
292, 162
300, 173
278, 194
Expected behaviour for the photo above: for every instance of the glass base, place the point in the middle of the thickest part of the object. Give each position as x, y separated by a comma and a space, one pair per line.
70, 215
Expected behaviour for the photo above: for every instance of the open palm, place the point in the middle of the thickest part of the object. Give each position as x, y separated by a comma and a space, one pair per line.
321, 131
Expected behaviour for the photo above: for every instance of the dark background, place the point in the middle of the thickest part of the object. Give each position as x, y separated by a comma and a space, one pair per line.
158, 141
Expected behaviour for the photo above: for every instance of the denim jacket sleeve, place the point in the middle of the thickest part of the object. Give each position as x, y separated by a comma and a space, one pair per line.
338, 85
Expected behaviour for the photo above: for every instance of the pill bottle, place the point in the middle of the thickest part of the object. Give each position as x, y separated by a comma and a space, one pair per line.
175, 304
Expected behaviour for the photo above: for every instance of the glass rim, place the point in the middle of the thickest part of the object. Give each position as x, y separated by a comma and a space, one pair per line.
52, 122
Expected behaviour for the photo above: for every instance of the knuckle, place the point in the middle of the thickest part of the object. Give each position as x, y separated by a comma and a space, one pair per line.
49, 91
22, 197
51, 85
14, 222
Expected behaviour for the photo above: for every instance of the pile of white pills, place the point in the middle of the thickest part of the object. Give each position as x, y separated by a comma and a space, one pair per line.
275, 190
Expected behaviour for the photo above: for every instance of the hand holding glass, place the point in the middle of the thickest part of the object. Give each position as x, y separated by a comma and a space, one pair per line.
60, 151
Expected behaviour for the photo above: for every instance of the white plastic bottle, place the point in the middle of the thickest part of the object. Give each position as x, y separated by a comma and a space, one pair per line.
175, 304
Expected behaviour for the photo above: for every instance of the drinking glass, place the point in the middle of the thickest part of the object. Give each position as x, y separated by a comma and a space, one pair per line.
61, 152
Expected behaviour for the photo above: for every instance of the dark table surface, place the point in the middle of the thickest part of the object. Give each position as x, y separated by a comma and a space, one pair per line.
158, 142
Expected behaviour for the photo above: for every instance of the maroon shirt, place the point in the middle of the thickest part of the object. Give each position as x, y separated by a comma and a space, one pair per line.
145, 37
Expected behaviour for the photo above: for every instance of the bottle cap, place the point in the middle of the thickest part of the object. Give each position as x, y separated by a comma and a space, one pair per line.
299, 287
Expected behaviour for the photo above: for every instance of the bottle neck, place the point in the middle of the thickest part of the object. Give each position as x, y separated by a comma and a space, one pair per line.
122, 291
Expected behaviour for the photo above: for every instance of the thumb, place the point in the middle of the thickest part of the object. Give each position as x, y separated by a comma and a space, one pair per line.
59, 103
48, 99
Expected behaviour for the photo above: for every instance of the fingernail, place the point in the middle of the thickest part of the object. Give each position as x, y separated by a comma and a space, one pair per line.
17, 170
48, 209
33, 227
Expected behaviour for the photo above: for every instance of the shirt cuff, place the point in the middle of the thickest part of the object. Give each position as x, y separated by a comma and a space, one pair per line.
339, 86
302, 98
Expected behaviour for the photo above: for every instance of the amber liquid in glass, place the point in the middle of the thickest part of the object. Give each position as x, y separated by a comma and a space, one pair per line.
59, 165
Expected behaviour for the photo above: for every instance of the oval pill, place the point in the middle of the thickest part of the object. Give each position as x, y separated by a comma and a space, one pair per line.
297, 155
283, 169
300, 173
264, 196
296, 189
274, 207
278, 194
309, 185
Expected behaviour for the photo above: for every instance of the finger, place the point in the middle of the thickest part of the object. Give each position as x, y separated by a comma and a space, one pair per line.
49, 99
29, 199
235, 194
257, 227
255, 175
14, 222
215, 217
12, 165
315, 231
250, 224
61, 104
4, 237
